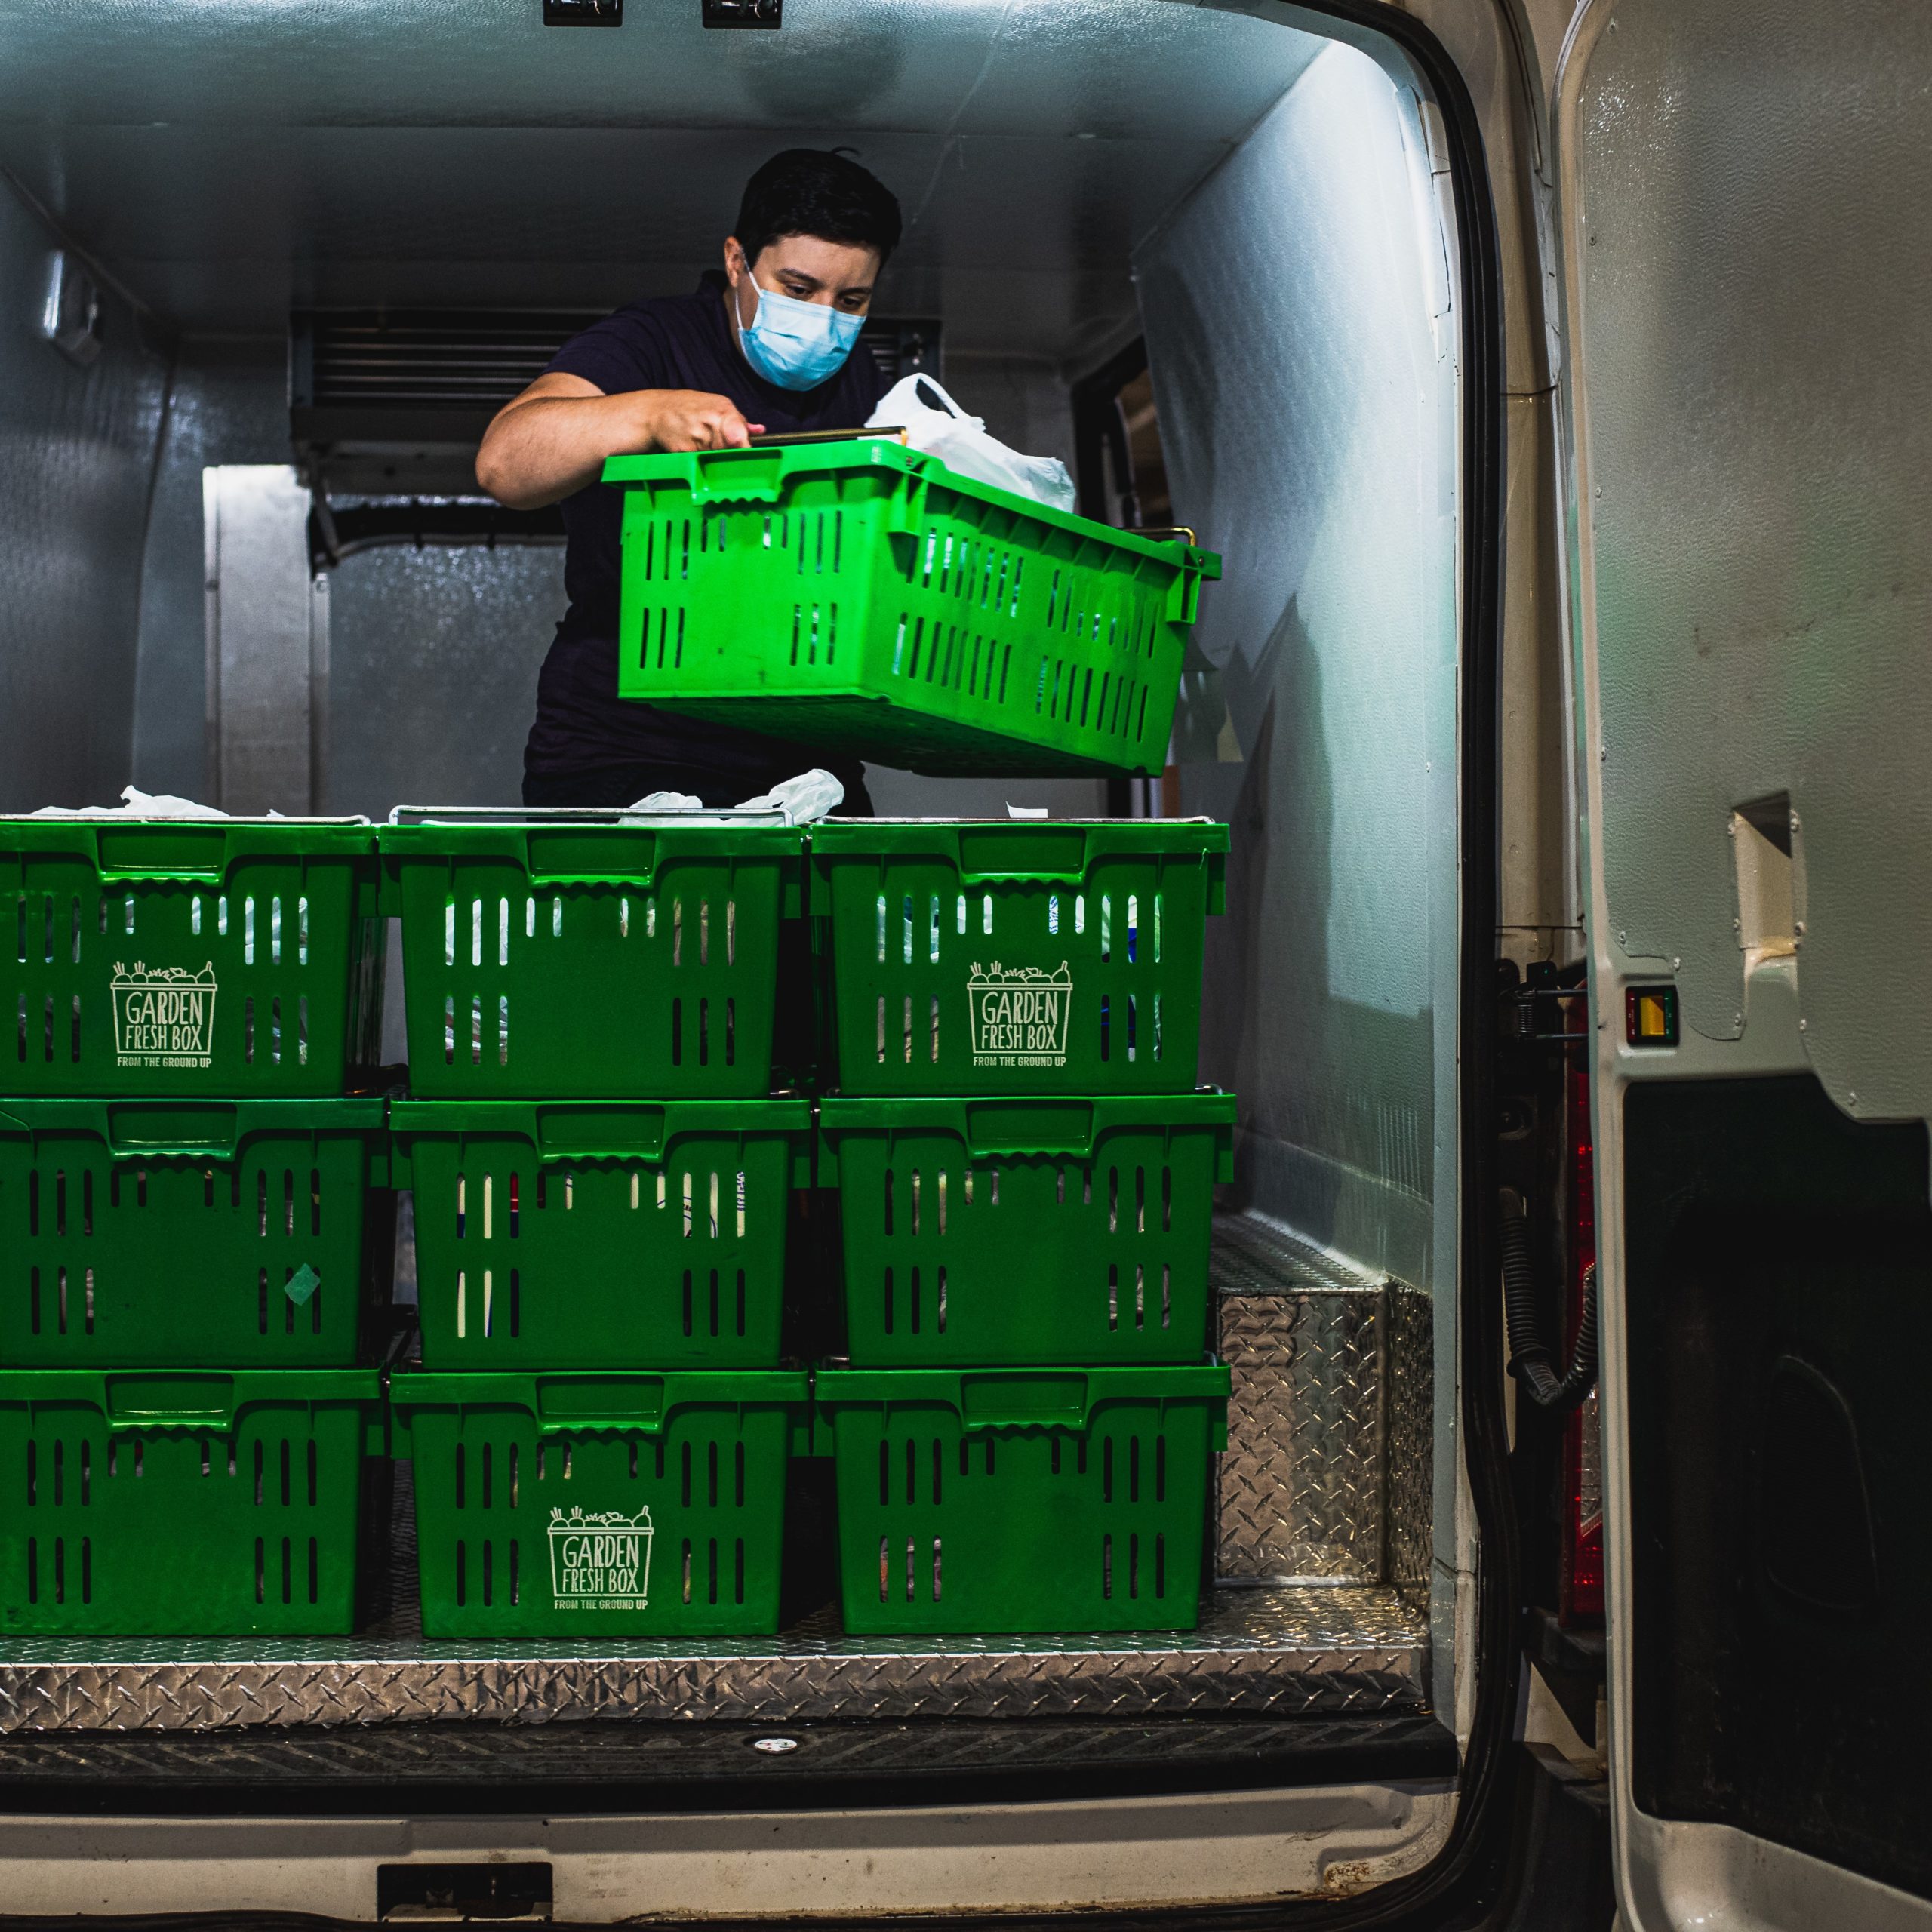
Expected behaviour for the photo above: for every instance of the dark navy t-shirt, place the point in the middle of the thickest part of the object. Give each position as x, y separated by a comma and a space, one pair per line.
676, 342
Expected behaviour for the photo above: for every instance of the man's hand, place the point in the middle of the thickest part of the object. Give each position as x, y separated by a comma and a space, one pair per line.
690, 419
553, 439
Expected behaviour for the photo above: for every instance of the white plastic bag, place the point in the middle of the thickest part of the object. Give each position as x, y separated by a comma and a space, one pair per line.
137, 804
804, 800
668, 801
165, 804
960, 442
801, 800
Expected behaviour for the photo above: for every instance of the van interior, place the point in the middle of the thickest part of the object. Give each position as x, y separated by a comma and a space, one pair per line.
271, 269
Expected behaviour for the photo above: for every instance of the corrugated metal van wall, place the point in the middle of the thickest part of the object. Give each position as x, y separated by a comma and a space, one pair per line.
77, 448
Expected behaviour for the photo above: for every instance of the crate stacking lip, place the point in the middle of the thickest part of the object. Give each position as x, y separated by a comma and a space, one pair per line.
155, 1233
1013, 1500
1032, 1230
603, 960
167, 956
647, 1234
861, 597
1014, 957
188, 1503
601, 1504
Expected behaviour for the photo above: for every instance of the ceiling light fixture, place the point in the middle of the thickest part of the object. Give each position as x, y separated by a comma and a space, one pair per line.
583, 13
743, 13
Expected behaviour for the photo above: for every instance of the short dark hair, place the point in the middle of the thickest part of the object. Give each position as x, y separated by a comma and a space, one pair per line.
814, 191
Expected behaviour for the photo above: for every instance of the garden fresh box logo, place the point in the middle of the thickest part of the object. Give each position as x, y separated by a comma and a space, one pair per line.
1020, 1014
600, 1561
164, 1016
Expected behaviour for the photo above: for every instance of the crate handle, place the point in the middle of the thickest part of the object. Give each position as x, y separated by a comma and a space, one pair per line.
594, 1404
619, 1132
166, 850
1052, 1398
1043, 1126
990, 854
174, 1126
569, 855
159, 1400
729, 476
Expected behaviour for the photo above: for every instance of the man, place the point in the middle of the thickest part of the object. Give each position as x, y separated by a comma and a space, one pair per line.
765, 346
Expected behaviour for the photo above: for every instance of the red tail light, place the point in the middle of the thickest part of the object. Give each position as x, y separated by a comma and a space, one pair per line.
1580, 1588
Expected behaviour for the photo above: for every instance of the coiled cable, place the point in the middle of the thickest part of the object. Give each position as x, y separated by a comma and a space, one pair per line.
1530, 1357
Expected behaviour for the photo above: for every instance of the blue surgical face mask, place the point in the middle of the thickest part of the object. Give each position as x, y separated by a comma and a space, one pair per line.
796, 345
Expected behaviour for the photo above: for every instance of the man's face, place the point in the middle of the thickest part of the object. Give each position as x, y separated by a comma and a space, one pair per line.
838, 274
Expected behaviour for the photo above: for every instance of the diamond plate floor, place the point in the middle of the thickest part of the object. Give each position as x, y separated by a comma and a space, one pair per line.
1295, 1652
1328, 1471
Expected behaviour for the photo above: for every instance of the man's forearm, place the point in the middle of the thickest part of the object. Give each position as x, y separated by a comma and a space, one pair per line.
543, 449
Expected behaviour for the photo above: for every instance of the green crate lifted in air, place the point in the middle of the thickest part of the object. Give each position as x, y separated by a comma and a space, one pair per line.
601, 961
1012, 1500
216, 1233
242, 958
185, 1503
860, 597
1061, 957
1026, 1230
604, 1506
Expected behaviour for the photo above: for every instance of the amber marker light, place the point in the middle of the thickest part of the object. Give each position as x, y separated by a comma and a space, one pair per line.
1650, 1016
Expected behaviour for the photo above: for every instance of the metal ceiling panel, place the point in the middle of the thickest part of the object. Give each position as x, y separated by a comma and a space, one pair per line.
233, 159
414, 195
1125, 68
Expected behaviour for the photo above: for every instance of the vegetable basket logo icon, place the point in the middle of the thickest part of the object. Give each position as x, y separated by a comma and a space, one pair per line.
600, 1560
1020, 1014
164, 1016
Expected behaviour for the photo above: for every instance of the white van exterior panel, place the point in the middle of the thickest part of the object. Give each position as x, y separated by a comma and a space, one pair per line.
1220, 1847
1747, 257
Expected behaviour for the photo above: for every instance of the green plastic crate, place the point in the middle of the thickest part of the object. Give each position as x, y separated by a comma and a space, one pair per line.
216, 1233
180, 957
603, 961
600, 1505
1012, 958
184, 1503
1027, 1231
1012, 1500
859, 596
650, 1234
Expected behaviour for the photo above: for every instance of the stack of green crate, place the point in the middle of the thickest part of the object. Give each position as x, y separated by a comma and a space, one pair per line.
184, 1183
601, 1426
1026, 1173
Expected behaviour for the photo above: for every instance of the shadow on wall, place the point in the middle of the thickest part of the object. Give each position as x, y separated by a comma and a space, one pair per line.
1327, 1141
1302, 397
1273, 455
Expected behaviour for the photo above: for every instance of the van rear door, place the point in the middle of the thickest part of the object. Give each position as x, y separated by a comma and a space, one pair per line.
1744, 212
